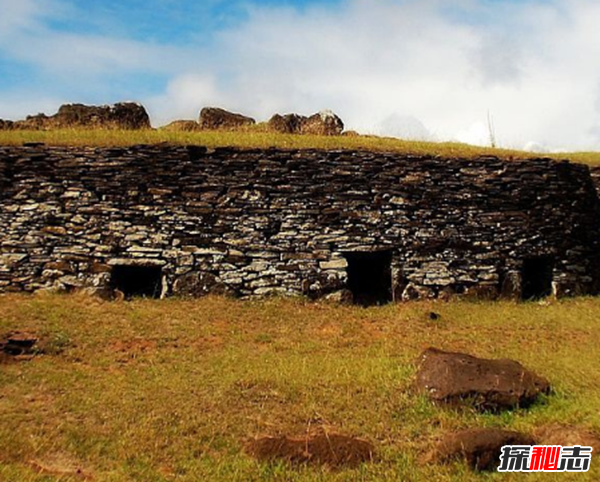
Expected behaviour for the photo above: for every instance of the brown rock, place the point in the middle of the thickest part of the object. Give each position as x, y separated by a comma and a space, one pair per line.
18, 346
458, 379
104, 294
6, 125
287, 124
18, 343
62, 266
481, 292
511, 286
33, 122
333, 450
197, 284
480, 448
213, 118
100, 268
325, 123
446, 293
182, 126
125, 115
55, 230
568, 435
417, 292
344, 297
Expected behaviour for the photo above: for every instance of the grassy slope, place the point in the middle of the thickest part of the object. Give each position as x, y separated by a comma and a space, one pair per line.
259, 139
168, 390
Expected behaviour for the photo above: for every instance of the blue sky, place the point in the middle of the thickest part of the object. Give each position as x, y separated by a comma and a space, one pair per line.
426, 69
166, 21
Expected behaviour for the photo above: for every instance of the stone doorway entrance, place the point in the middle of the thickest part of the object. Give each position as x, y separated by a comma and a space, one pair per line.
134, 281
536, 277
370, 276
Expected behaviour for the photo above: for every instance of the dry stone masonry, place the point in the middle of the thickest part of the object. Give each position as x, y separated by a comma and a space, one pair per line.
595, 172
176, 220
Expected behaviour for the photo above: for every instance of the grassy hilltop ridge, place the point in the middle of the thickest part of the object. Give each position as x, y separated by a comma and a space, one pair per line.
258, 138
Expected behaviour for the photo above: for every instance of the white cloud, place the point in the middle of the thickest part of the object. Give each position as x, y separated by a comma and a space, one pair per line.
477, 134
19, 15
25, 36
414, 67
183, 96
405, 127
65, 55
530, 64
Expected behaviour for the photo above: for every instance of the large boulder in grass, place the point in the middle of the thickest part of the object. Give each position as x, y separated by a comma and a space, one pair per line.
286, 124
6, 125
214, 118
18, 343
480, 448
34, 123
458, 379
124, 115
182, 126
324, 123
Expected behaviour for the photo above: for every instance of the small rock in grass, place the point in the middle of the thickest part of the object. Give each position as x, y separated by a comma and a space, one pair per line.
344, 297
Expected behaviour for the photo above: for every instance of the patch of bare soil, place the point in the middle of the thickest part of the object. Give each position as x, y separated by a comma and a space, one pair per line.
332, 450
479, 447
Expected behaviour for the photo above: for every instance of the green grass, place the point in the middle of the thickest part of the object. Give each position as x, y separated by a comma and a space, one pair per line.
169, 390
257, 138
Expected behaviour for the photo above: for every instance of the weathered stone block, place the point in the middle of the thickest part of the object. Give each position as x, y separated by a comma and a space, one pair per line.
198, 284
458, 379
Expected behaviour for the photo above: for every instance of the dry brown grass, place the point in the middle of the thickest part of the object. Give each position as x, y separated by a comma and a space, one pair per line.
258, 138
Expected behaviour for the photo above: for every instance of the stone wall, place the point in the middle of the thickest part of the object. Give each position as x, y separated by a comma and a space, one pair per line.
256, 222
595, 172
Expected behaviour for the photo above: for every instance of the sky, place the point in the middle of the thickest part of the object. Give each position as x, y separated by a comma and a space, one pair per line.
420, 69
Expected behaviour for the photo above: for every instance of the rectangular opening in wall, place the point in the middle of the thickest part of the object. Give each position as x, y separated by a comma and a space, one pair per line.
370, 277
536, 277
137, 281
